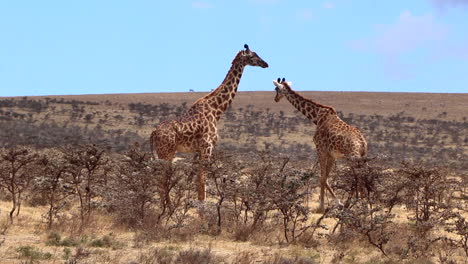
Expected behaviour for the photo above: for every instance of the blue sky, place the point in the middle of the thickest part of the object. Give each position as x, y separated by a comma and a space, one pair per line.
99, 46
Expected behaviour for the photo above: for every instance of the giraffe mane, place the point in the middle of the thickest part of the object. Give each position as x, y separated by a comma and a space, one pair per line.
238, 56
286, 85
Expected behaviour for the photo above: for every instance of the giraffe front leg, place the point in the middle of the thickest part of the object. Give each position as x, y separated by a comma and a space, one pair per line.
201, 190
323, 181
205, 156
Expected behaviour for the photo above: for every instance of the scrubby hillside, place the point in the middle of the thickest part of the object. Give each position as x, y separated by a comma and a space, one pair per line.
401, 125
79, 185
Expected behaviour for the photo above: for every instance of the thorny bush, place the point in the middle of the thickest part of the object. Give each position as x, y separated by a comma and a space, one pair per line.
51, 187
249, 194
149, 194
259, 196
87, 173
17, 168
373, 191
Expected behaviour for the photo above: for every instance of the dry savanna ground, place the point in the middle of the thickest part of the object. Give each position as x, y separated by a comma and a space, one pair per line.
407, 205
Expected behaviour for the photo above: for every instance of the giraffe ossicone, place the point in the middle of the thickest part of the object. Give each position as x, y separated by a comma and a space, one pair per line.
333, 138
195, 131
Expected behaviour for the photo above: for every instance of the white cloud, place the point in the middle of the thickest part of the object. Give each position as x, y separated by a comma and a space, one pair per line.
449, 3
201, 5
408, 34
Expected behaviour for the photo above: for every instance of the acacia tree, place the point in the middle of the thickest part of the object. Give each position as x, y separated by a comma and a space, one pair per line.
86, 172
16, 173
50, 183
131, 193
223, 173
144, 192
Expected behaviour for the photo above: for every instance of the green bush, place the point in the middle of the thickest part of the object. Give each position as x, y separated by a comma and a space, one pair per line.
32, 253
55, 239
107, 241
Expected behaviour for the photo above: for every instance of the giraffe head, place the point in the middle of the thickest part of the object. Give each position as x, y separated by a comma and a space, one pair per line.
281, 88
248, 57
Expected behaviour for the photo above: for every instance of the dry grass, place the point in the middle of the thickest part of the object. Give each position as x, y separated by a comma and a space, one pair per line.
30, 230
106, 242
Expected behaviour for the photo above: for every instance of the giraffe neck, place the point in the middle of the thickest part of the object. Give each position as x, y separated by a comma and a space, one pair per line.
312, 110
219, 100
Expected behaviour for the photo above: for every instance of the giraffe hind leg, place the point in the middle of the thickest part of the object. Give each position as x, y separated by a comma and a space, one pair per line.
326, 164
330, 163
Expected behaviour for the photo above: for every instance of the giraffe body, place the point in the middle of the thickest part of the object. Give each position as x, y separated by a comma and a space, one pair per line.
334, 138
195, 131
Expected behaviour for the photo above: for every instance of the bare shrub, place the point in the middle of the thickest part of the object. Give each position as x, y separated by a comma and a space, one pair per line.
427, 193
223, 175
255, 191
150, 195
428, 196
87, 174
249, 204
288, 193
455, 223
129, 194
372, 191
17, 167
361, 222
50, 185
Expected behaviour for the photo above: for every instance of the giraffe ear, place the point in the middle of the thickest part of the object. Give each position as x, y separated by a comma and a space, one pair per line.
289, 83
247, 50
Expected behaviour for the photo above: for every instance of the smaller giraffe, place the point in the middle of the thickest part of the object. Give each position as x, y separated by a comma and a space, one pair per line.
195, 131
333, 138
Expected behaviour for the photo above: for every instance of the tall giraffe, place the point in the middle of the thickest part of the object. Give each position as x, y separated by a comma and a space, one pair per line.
195, 131
333, 138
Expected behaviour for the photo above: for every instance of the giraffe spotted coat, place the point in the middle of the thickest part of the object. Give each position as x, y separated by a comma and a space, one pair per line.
195, 131
333, 138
